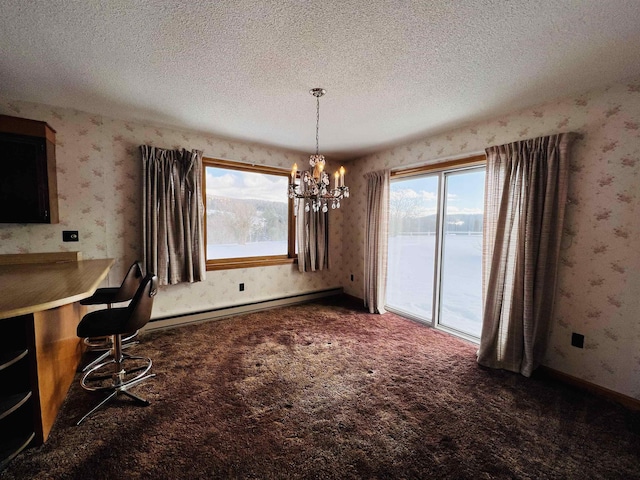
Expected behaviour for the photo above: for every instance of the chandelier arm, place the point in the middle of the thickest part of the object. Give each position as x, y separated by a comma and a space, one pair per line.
315, 184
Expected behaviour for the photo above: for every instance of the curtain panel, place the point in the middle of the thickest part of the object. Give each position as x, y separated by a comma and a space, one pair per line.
375, 242
525, 197
312, 235
173, 217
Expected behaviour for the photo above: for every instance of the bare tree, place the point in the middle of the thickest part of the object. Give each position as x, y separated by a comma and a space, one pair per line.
403, 204
241, 219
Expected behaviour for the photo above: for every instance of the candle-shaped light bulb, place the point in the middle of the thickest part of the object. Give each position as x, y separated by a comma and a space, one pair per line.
342, 170
336, 177
294, 170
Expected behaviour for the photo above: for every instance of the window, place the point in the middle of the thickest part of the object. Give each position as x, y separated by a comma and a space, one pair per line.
249, 217
435, 245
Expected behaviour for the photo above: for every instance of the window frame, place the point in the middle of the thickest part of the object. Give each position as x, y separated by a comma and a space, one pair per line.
460, 163
440, 168
256, 261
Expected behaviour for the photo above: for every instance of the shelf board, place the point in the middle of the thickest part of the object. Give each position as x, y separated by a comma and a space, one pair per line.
11, 448
11, 403
9, 358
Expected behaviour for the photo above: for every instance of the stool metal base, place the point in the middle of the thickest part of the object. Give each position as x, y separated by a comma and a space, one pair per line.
105, 345
114, 376
110, 375
124, 390
106, 354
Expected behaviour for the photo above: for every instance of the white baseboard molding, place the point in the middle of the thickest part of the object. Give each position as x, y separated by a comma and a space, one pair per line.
224, 312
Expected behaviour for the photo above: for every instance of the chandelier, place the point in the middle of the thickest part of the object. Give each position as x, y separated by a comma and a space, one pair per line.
314, 186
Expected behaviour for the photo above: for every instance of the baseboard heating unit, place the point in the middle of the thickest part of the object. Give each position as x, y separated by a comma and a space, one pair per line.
229, 311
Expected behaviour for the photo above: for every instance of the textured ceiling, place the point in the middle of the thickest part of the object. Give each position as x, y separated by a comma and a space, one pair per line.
393, 70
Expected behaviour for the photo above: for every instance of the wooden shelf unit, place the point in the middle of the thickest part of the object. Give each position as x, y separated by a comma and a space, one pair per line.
16, 394
39, 348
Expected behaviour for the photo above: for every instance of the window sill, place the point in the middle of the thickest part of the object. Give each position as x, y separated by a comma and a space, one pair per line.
249, 262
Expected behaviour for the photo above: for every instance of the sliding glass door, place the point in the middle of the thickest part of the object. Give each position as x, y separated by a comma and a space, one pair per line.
412, 240
435, 249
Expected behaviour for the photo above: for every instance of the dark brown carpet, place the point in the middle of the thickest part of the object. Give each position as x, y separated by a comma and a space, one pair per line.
328, 392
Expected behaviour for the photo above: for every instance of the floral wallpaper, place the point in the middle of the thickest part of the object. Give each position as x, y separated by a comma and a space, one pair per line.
599, 275
99, 187
100, 194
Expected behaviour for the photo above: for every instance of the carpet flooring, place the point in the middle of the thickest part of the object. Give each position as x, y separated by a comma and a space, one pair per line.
328, 391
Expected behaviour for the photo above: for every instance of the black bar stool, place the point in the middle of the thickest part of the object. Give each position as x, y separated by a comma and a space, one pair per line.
121, 372
108, 296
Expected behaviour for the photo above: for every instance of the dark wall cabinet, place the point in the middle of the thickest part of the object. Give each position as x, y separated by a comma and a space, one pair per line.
28, 186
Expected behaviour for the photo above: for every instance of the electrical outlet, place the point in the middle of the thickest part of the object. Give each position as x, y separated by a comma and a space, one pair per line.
242, 287
70, 236
577, 340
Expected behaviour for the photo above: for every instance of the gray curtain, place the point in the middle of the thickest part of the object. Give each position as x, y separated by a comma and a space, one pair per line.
525, 197
312, 235
173, 225
375, 242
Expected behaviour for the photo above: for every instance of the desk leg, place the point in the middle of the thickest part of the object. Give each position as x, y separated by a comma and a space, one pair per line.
57, 356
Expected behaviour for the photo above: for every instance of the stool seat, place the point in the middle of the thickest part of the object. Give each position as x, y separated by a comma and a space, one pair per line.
121, 372
123, 293
103, 323
108, 296
103, 296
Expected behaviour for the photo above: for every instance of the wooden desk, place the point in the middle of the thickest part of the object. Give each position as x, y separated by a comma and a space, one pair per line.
39, 348
34, 287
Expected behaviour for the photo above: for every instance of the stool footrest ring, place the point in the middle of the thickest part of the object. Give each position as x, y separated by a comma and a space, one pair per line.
106, 354
105, 343
94, 379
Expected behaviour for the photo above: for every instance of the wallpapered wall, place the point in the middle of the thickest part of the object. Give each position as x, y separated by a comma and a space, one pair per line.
99, 183
599, 275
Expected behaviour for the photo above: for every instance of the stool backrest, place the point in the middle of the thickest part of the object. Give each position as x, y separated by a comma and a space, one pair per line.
130, 283
141, 304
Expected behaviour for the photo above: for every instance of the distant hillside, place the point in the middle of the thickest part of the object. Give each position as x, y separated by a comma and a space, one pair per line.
240, 221
455, 223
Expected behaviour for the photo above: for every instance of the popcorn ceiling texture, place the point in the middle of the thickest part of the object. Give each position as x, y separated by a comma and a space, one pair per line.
599, 275
243, 69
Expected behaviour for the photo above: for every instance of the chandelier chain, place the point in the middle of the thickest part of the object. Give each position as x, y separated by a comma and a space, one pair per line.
315, 184
317, 121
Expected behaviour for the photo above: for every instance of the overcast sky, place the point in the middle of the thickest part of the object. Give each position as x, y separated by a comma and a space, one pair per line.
238, 184
465, 192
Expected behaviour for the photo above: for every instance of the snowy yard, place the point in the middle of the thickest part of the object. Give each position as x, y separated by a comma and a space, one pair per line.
411, 277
